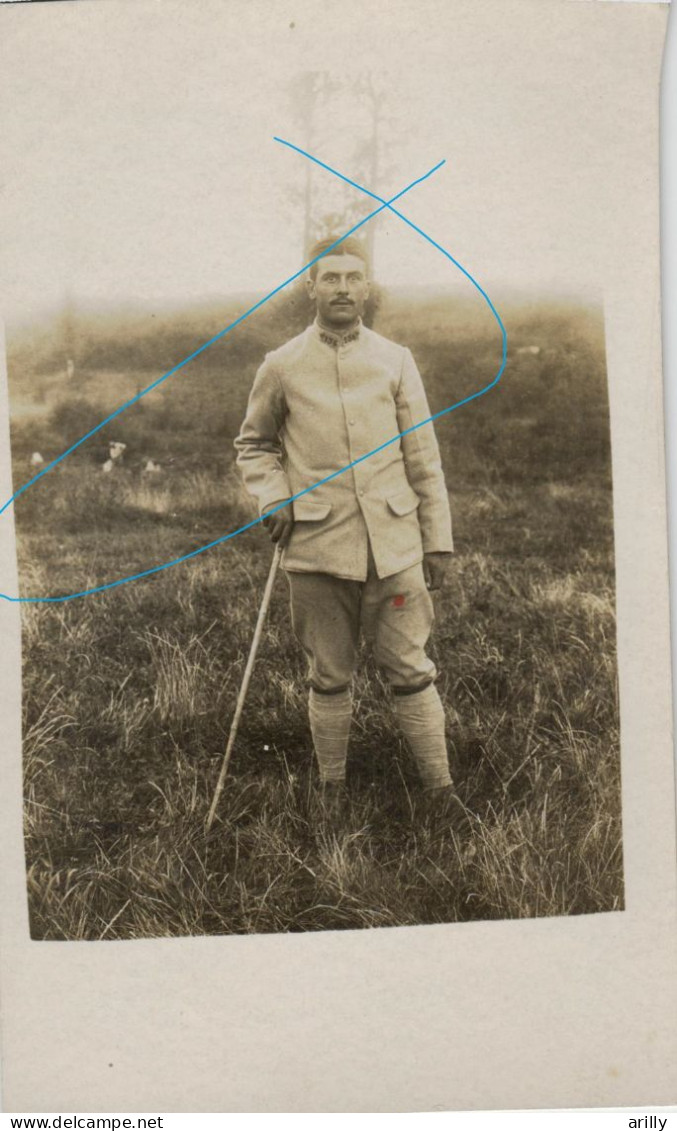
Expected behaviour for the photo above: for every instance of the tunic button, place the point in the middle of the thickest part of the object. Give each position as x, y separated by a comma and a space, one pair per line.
362, 492
351, 421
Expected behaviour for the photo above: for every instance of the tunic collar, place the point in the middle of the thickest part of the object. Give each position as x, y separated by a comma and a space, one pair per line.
335, 339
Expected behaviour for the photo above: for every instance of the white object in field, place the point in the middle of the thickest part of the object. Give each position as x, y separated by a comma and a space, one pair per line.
36, 460
107, 466
533, 350
152, 466
70, 367
115, 449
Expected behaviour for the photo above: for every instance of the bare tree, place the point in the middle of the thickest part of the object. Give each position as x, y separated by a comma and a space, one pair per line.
309, 93
330, 206
370, 151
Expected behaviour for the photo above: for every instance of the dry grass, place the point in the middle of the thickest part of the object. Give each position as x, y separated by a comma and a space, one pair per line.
129, 695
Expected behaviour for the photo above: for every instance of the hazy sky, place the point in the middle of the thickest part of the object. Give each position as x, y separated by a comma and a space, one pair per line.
138, 159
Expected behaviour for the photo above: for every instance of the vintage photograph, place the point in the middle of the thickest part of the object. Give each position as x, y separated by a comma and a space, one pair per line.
393, 701
335, 692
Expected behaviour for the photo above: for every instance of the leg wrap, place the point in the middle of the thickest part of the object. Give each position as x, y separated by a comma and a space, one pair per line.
330, 717
421, 717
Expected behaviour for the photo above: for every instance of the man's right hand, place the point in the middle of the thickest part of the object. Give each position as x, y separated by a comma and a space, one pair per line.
280, 524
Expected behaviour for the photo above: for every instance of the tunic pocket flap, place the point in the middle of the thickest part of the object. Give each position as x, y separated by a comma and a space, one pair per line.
310, 510
403, 502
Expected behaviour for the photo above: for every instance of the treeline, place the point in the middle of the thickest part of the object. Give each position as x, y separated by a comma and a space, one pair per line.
547, 418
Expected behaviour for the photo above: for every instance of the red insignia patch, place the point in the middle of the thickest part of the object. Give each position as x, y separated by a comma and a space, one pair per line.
398, 601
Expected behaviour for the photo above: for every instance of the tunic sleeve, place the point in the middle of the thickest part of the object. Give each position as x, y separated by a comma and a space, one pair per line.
260, 449
422, 460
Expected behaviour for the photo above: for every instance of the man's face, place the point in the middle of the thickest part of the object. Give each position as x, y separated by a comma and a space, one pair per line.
340, 290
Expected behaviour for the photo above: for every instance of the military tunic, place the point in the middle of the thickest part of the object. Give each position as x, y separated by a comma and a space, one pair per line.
321, 402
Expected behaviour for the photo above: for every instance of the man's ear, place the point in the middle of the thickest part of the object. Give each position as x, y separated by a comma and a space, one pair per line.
310, 287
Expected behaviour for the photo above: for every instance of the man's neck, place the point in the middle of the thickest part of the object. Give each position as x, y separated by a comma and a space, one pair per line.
347, 330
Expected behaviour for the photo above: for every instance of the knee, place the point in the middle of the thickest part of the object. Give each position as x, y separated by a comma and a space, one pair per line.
401, 690
321, 688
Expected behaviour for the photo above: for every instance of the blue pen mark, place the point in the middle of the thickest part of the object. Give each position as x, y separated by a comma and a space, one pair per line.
206, 345
383, 204
431, 241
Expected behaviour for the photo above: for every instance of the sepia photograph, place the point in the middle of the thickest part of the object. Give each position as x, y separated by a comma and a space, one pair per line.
335, 694
399, 726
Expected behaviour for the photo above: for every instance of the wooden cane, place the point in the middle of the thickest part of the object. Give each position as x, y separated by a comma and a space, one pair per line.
258, 632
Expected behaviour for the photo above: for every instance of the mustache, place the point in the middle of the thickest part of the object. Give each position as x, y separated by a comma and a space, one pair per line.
342, 302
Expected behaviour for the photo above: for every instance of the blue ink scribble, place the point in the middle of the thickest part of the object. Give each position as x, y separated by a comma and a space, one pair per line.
383, 205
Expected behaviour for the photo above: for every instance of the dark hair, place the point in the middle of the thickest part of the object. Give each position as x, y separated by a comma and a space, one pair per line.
348, 246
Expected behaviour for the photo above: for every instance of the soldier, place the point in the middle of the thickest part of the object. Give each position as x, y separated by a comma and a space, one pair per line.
363, 551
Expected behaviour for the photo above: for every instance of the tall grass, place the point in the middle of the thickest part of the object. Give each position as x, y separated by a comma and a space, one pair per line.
128, 695
128, 700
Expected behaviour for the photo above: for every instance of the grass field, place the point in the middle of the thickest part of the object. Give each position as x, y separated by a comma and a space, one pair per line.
128, 695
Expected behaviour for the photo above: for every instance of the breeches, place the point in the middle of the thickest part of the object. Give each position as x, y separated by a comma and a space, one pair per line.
395, 615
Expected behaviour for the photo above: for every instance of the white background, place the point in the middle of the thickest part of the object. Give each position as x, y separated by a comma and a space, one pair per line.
669, 279
669, 290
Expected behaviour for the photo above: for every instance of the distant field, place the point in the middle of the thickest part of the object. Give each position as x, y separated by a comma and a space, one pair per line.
128, 696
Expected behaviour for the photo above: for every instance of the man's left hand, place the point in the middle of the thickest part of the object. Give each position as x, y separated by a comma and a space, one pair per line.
436, 569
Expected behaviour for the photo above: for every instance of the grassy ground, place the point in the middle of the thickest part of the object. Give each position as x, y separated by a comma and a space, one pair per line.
128, 698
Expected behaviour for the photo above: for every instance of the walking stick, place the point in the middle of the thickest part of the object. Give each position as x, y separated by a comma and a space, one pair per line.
258, 632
